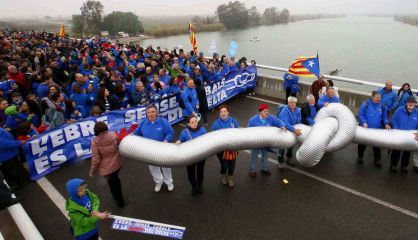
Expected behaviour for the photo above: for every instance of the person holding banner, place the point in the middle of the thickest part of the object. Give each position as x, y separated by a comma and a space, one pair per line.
189, 99
106, 159
83, 210
195, 170
158, 129
228, 157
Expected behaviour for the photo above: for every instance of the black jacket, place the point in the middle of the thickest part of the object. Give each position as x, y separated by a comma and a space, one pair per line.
306, 112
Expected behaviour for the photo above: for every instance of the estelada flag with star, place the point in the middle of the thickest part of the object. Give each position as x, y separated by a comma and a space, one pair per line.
305, 67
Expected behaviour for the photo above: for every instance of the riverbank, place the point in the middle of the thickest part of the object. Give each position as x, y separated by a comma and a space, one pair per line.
176, 29
167, 30
411, 20
128, 40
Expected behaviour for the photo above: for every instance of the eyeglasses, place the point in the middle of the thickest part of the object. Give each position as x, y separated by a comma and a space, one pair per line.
82, 188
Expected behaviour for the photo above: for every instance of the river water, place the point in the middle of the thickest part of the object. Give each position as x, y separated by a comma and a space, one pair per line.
368, 48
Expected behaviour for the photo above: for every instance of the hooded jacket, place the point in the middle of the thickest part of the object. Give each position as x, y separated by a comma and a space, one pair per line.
194, 133
374, 114
325, 99
388, 98
160, 130
221, 124
83, 225
290, 118
105, 154
404, 120
190, 100
270, 121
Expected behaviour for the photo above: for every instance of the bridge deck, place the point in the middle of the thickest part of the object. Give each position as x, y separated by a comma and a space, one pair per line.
307, 207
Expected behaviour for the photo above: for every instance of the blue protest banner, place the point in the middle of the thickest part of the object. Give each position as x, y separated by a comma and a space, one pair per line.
71, 142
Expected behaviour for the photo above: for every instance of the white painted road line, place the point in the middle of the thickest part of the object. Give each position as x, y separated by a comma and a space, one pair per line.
347, 189
54, 195
264, 100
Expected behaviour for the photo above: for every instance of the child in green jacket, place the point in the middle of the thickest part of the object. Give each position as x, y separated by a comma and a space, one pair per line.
83, 210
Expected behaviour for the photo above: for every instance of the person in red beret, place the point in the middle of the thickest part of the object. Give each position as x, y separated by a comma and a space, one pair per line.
262, 119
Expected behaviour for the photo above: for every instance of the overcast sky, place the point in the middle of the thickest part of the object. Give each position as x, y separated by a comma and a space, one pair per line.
29, 8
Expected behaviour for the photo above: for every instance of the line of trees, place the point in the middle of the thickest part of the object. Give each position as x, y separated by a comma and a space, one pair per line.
237, 15
411, 20
91, 21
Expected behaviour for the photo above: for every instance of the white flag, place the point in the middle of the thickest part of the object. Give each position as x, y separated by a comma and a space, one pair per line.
212, 47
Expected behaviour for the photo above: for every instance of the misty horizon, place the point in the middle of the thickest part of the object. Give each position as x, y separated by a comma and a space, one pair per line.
28, 9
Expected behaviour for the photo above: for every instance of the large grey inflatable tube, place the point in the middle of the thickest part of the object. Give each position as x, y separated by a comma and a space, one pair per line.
335, 127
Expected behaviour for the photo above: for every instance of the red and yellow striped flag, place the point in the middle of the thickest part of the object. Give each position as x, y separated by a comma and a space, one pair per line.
305, 67
193, 40
62, 31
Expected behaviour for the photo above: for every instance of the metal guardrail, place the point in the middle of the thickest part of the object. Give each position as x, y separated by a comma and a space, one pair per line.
26, 227
340, 79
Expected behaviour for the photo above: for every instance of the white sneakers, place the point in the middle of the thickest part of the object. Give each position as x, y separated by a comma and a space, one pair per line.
158, 186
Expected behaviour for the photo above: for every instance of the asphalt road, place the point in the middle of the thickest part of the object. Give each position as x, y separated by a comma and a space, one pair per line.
260, 208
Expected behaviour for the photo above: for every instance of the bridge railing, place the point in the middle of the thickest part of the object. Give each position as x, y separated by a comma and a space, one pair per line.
352, 92
336, 78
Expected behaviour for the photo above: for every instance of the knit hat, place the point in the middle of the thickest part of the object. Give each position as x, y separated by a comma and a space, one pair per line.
262, 107
11, 110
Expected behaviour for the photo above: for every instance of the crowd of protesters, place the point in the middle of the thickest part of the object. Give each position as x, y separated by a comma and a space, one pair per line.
386, 109
47, 81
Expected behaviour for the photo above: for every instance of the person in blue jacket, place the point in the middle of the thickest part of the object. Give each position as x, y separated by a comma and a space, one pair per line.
9, 149
212, 75
263, 118
173, 88
75, 111
43, 88
9, 163
373, 114
403, 93
227, 158
290, 115
158, 129
79, 96
164, 76
405, 118
195, 171
328, 98
290, 85
389, 97
189, 98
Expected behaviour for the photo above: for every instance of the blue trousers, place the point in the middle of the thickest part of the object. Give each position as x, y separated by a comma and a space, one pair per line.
264, 159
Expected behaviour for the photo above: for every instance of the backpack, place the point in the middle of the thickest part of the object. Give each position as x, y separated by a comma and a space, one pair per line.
280, 108
53, 118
